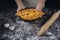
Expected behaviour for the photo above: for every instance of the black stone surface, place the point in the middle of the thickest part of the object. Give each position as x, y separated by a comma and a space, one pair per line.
26, 30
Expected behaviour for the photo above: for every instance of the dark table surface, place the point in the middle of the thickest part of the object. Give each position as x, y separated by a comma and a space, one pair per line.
22, 30
27, 30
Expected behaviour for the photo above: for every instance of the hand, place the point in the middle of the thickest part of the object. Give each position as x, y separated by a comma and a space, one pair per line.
20, 8
40, 5
38, 9
20, 5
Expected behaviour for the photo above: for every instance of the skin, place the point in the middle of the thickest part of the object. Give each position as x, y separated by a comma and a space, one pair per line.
40, 5
19, 4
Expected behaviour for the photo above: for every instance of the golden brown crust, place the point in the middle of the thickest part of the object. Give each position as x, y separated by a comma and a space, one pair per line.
29, 14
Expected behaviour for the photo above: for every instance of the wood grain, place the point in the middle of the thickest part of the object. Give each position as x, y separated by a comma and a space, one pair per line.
48, 23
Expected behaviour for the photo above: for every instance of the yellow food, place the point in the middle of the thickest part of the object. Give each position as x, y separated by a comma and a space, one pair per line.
29, 14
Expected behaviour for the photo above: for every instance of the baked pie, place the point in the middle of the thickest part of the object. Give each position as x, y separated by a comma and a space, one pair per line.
29, 14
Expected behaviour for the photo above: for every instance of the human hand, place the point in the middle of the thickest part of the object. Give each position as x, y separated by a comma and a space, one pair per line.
20, 8
20, 5
40, 5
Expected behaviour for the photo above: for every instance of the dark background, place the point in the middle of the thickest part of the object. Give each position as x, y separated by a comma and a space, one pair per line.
55, 4
10, 4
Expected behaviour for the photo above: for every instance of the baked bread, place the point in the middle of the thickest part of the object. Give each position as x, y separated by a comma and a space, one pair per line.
30, 14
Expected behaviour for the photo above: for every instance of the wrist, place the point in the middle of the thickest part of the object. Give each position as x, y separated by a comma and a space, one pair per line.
21, 7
